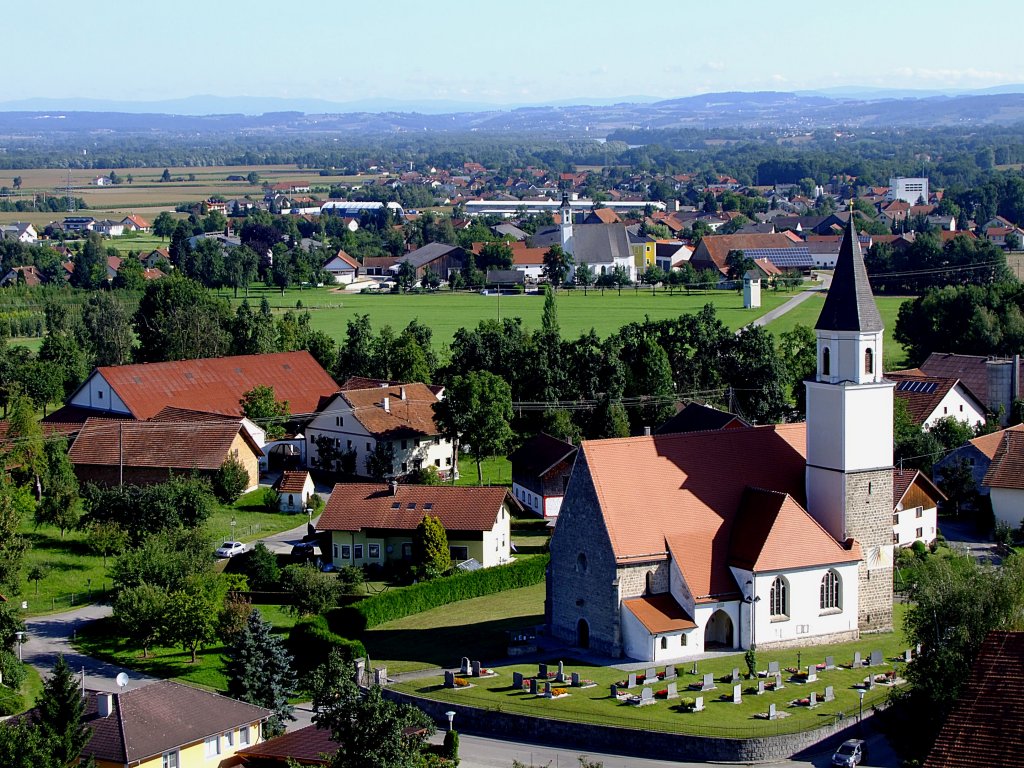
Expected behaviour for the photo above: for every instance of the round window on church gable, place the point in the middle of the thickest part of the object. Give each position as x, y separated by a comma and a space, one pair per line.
581, 563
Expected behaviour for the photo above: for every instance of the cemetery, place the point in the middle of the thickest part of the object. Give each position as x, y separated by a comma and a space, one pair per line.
792, 690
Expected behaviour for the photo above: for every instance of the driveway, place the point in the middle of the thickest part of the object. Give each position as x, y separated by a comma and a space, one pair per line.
962, 536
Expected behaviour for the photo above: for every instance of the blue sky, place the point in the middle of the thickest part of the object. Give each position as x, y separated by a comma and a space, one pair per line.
512, 52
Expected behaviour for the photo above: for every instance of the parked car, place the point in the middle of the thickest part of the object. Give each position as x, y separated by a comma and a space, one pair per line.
850, 753
230, 549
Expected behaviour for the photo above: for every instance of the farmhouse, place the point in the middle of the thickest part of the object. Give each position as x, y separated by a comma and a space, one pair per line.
915, 507
540, 473
371, 523
1005, 479
703, 549
342, 268
930, 398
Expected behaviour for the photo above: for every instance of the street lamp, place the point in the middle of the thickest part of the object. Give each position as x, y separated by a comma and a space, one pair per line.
753, 600
450, 714
20, 637
232, 527
860, 715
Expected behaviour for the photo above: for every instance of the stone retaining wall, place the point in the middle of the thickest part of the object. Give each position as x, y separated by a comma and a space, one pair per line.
634, 742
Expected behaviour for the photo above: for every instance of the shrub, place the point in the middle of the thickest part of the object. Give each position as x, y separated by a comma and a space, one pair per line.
261, 567
920, 548
398, 603
271, 500
231, 480
311, 642
315, 592
351, 579
451, 746
750, 658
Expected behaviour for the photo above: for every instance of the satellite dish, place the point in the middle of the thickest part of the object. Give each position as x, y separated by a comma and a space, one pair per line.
122, 679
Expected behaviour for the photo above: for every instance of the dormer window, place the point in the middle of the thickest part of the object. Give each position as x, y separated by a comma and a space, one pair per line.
869, 360
826, 362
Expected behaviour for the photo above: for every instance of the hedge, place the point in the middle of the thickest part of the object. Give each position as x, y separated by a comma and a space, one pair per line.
399, 603
311, 642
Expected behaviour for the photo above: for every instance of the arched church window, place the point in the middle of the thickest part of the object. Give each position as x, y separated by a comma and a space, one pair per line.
778, 598
826, 362
831, 591
869, 360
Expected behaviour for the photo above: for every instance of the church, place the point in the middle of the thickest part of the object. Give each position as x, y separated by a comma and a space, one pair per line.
668, 546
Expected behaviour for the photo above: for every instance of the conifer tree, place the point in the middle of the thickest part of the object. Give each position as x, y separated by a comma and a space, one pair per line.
260, 671
58, 715
430, 547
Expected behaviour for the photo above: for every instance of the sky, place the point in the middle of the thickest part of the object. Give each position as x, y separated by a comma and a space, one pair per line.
512, 52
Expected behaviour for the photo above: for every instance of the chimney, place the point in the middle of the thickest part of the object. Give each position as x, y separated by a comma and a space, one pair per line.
105, 704
402, 390
647, 431
394, 487
387, 405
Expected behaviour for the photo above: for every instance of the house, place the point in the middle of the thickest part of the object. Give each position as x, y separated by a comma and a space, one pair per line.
78, 224
671, 254
397, 418
370, 523
380, 266
529, 261
509, 230
109, 228
135, 223
169, 725
143, 453
441, 258
915, 507
713, 250
694, 417
977, 453
294, 488
505, 278
701, 551
1005, 479
930, 398
540, 473
27, 275
342, 268
306, 746
602, 216
22, 231
156, 257
983, 730
996, 382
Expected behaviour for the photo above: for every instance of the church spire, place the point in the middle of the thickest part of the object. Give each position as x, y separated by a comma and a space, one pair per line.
850, 305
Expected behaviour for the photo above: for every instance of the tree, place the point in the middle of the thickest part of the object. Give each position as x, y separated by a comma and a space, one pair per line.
58, 716
373, 730
163, 225
314, 592
739, 264
557, 264
26, 450
261, 567
233, 617
231, 480
495, 256
241, 265
957, 481
192, 616
260, 405
16, 503
355, 356
140, 613
585, 277
380, 462
477, 409
259, 671
166, 175
650, 379
36, 573
17, 182
406, 277
179, 319
105, 539
108, 330
130, 275
90, 263
60, 503
430, 548
798, 350
169, 560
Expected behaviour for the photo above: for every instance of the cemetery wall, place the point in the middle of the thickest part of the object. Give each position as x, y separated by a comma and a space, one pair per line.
797, 642
588, 738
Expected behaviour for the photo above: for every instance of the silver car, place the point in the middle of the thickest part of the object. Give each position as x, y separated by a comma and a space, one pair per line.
850, 753
230, 549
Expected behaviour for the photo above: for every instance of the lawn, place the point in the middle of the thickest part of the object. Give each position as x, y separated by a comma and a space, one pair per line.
888, 306
475, 627
102, 640
74, 574
252, 521
595, 705
497, 470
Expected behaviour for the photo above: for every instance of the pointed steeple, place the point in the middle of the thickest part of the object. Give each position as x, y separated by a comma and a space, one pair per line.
850, 305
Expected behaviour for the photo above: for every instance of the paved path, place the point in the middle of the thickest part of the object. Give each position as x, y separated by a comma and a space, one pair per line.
782, 309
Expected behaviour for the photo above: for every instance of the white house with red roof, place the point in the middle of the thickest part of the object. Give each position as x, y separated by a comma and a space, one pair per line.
792, 545
342, 268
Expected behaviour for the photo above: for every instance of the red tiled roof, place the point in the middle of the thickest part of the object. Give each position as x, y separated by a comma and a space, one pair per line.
1007, 468
73, 414
292, 481
217, 384
606, 216
903, 479
174, 445
412, 414
540, 453
522, 255
921, 404
659, 613
137, 220
983, 730
989, 444
357, 506
692, 487
767, 528
152, 719
342, 256
717, 247
306, 746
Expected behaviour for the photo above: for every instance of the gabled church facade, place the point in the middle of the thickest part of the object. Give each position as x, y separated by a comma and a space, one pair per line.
762, 536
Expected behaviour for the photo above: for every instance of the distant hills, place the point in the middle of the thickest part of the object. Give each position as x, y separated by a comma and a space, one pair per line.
845, 107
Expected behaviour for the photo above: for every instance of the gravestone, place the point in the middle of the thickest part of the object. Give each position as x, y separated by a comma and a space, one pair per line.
380, 675
517, 680
856, 659
360, 668
773, 667
646, 696
670, 672
709, 682
698, 704
631, 683
812, 674
876, 659
575, 679
830, 663
760, 686
829, 694
542, 670
771, 712
737, 694
735, 675
778, 681
672, 692
464, 667
476, 669
533, 685
693, 669
813, 699
615, 691
871, 681
560, 675
547, 689
650, 675
449, 679
907, 655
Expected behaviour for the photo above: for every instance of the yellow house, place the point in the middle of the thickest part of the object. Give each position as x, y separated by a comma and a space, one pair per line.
168, 725
371, 523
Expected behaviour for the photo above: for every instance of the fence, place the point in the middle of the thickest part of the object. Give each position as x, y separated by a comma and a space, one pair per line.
69, 601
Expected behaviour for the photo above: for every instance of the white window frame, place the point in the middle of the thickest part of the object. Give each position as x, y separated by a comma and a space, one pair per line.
346, 552
243, 736
169, 759
373, 551
212, 746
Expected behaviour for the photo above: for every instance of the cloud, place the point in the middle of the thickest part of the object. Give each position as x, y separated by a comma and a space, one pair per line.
777, 78
968, 75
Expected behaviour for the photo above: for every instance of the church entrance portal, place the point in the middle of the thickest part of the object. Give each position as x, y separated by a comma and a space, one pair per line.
582, 634
718, 632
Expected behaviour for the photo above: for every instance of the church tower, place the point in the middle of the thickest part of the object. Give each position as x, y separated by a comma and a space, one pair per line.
566, 212
849, 431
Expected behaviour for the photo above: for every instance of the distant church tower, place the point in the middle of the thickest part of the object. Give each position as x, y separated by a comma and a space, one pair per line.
566, 212
849, 431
